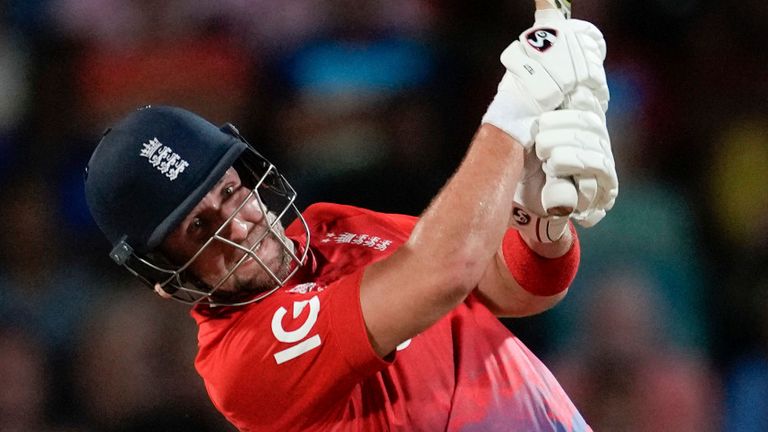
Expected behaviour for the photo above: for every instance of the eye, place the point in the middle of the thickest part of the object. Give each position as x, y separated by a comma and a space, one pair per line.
196, 224
229, 190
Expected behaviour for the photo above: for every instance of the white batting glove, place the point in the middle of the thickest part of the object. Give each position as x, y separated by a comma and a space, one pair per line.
591, 94
571, 51
549, 61
575, 144
563, 193
516, 108
528, 214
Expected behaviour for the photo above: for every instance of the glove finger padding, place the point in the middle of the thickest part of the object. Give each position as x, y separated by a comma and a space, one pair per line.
592, 43
584, 99
567, 121
587, 30
590, 219
574, 144
574, 162
575, 129
587, 193
581, 194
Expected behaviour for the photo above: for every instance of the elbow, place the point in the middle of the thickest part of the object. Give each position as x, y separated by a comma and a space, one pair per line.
462, 272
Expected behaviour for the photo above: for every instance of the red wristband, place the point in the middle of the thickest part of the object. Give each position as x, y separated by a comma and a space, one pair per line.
538, 275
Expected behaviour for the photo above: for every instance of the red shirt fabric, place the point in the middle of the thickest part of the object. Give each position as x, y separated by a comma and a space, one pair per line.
300, 360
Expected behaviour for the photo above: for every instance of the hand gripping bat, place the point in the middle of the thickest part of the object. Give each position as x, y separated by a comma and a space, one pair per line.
559, 195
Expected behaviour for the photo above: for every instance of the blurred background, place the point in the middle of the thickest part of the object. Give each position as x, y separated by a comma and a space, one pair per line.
373, 103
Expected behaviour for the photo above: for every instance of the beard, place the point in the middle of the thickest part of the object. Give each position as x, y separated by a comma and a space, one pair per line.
263, 281
258, 280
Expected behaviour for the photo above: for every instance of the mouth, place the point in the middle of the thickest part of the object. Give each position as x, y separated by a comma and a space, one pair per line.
260, 265
262, 250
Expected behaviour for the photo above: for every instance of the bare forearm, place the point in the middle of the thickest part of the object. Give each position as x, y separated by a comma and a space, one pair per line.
449, 249
467, 219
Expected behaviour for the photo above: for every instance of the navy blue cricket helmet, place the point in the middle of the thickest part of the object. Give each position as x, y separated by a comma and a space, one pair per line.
152, 168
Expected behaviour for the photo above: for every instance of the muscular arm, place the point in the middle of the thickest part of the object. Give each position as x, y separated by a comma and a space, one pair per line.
451, 247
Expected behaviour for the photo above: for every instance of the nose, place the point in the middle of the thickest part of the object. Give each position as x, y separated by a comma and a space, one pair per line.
237, 230
244, 219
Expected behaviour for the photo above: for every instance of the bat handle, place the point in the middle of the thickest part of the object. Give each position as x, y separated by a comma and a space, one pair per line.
564, 6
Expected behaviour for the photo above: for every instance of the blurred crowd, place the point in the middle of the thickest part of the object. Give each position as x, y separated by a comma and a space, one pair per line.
373, 103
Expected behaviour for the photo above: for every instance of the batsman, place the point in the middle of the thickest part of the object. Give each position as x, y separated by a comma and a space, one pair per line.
341, 318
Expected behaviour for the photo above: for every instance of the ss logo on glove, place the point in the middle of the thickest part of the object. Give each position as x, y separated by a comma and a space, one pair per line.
542, 39
521, 217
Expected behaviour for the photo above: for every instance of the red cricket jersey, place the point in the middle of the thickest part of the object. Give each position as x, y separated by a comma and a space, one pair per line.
300, 359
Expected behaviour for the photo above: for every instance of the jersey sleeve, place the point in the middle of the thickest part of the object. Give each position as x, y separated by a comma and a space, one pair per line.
296, 356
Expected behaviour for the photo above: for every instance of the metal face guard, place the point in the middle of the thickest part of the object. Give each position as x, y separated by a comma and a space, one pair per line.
276, 199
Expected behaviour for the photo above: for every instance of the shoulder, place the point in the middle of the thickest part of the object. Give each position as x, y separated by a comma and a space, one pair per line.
322, 217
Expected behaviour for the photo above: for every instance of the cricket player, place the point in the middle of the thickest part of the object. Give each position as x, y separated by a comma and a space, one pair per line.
346, 319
